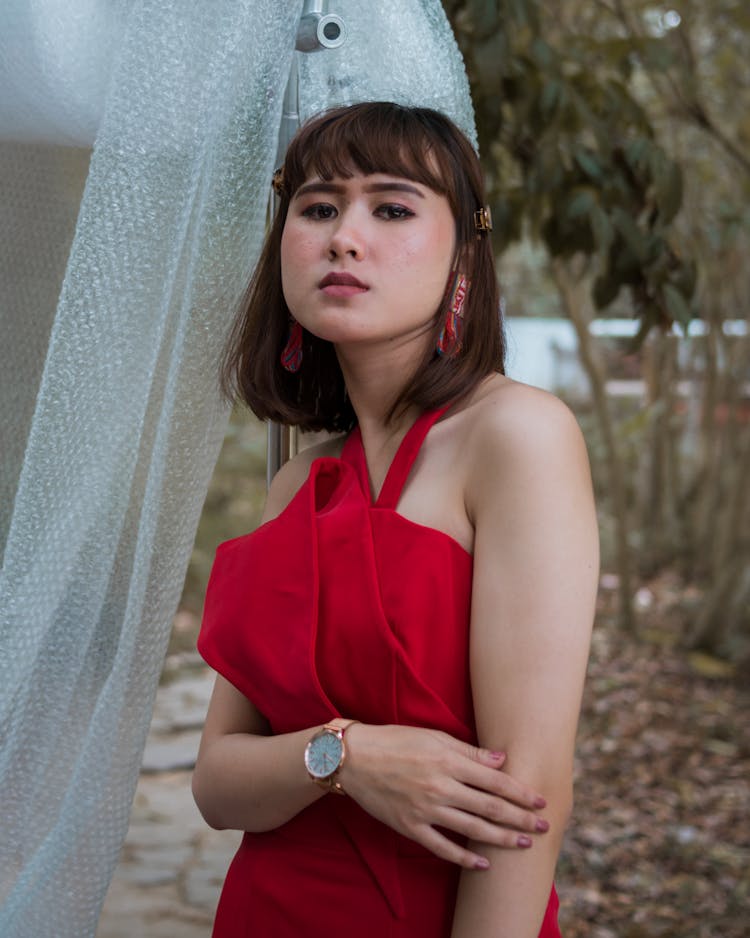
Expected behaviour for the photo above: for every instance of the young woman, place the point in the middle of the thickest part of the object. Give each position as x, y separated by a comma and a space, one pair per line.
401, 645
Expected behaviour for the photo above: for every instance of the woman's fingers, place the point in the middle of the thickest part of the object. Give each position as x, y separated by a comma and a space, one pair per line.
446, 849
499, 782
502, 784
475, 829
488, 757
479, 829
435, 781
498, 811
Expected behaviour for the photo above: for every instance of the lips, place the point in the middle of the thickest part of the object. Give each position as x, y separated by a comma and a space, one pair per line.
342, 280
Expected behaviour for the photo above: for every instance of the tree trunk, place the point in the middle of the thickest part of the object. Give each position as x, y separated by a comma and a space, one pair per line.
660, 472
574, 292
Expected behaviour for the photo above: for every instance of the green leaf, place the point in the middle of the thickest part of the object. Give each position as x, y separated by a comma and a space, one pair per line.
484, 19
606, 290
542, 54
637, 152
685, 277
668, 185
655, 53
550, 98
522, 12
488, 56
631, 234
601, 227
589, 164
581, 203
676, 304
649, 319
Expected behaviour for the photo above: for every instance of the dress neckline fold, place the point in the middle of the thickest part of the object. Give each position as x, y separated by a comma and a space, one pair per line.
400, 467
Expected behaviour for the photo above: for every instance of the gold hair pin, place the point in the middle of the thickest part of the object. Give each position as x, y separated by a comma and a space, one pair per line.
277, 181
483, 220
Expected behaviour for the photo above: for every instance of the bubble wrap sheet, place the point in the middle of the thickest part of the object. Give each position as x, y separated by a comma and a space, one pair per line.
124, 435
116, 431
395, 51
56, 60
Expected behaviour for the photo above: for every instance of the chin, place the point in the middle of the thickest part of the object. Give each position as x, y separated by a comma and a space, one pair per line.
335, 326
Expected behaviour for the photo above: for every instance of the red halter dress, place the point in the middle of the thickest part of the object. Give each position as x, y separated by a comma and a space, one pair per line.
343, 607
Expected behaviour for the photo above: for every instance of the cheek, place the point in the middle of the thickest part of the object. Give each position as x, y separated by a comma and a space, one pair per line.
289, 249
429, 257
297, 245
294, 254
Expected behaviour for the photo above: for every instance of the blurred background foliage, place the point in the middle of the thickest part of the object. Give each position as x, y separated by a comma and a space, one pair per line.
614, 135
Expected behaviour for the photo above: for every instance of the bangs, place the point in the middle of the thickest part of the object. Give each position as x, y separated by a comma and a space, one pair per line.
391, 140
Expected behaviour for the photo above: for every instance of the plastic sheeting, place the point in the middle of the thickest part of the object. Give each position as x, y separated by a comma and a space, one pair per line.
111, 449
56, 61
395, 51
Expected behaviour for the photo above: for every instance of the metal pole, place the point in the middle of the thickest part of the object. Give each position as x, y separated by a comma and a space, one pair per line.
317, 30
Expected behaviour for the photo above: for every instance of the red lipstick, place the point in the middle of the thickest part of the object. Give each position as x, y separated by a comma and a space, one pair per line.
344, 279
338, 283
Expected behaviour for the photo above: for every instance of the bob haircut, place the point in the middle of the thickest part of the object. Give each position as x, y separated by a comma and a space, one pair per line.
374, 137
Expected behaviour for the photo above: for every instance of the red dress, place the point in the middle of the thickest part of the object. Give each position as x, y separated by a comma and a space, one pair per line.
342, 607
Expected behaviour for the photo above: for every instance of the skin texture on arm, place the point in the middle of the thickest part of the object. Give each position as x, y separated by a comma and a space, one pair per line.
245, 779
535, 578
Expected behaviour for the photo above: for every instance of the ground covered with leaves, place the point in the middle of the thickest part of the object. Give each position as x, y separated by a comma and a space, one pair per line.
659, 842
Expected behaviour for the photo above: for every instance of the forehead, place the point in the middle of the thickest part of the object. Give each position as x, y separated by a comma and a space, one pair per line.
365, 182
423, 181
333, 155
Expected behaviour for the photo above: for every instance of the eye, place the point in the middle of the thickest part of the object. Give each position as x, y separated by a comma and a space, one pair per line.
320, 211
393, 212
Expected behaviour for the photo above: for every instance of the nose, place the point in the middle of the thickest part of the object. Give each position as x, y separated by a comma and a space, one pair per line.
347, 239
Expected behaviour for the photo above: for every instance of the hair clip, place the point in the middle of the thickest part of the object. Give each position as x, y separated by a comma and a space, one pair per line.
483, 220
277, 181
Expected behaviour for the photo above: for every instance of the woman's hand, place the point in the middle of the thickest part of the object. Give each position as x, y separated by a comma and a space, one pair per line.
415, 780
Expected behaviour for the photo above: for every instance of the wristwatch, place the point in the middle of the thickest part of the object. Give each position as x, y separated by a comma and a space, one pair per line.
325, 754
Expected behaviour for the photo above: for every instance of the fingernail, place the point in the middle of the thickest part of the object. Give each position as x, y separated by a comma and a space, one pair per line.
540, 802
497, 755
524, 841
542, 826
482, 864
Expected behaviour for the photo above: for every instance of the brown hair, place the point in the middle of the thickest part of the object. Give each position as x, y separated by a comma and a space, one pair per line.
374, 137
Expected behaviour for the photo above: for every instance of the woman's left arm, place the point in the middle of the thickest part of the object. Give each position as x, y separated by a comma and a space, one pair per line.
536, 563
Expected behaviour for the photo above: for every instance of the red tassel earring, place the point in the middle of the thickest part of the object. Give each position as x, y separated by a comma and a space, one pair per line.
291, 355
449, 341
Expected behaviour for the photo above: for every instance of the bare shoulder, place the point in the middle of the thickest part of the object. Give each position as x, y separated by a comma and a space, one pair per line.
511, 419
292, 475
516, 432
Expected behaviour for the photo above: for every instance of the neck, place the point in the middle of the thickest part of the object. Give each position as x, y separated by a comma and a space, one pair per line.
374, 381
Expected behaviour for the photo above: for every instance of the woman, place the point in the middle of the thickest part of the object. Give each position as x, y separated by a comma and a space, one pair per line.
409, 626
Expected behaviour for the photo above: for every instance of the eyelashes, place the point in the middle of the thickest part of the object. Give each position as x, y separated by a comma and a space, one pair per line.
319, 212
394, 211
389, 211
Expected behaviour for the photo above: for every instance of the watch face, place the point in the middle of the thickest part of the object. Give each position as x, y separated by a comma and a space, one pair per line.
323, 754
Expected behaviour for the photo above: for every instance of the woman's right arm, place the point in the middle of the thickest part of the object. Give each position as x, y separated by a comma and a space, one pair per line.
410, 778
245, 779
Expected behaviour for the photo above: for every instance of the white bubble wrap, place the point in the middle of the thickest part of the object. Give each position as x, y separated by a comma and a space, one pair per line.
113, 317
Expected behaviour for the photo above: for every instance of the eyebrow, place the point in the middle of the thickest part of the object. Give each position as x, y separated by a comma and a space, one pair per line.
338, 189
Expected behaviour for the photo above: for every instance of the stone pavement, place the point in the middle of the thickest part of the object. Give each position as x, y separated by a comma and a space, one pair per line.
172, 865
